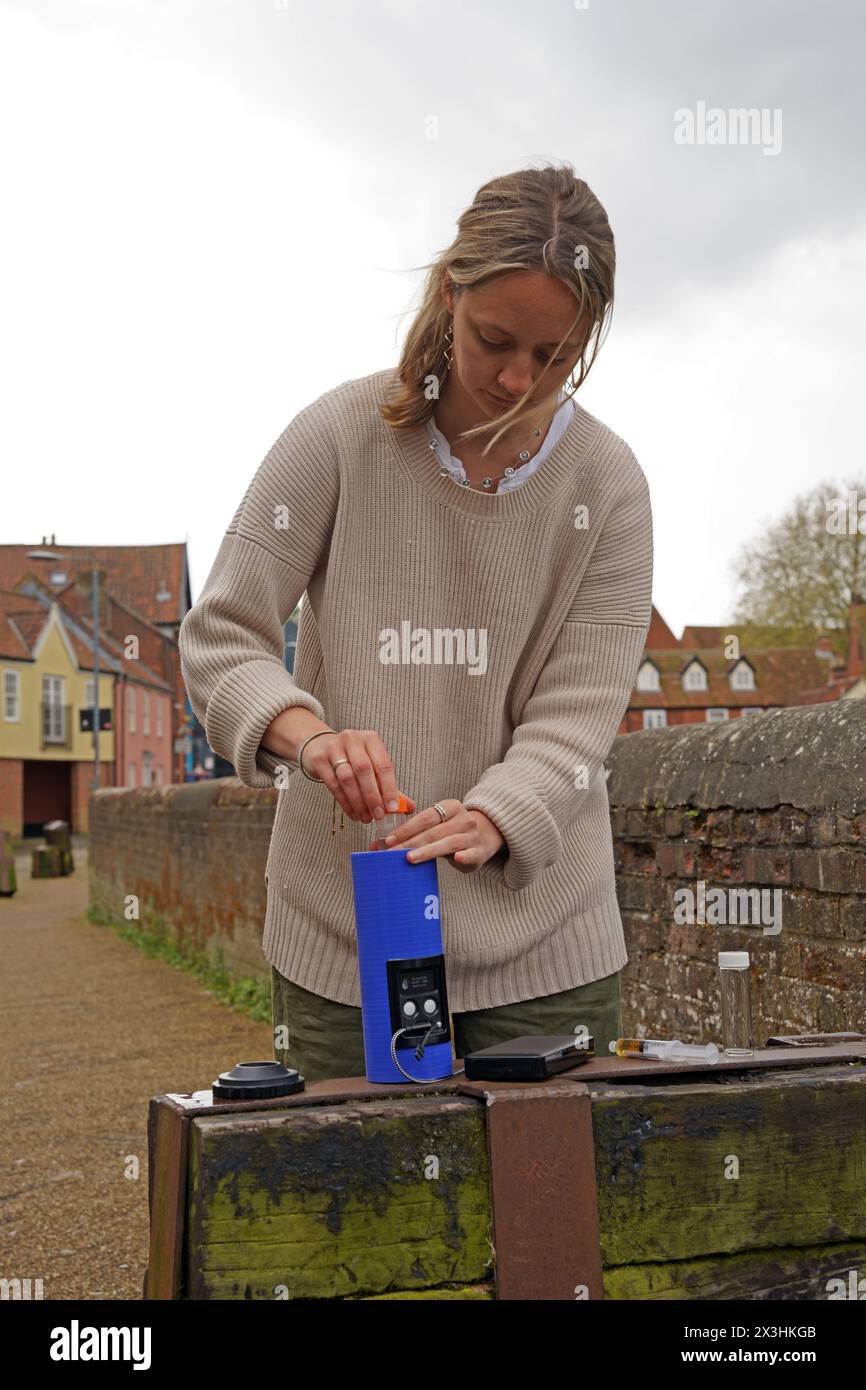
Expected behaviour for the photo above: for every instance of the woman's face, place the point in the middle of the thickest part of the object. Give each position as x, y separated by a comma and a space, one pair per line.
505, 333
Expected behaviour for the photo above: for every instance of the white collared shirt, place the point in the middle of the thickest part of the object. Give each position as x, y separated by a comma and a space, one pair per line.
556, 429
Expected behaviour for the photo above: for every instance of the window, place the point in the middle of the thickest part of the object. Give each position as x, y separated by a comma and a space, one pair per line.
53, 710
716, 716
130, 710
655, 718
12, 696
752, 709
742, 677
130, 775
159, 716
647, 677
159, 774
145, 714
88, 693
694, 677
147, 769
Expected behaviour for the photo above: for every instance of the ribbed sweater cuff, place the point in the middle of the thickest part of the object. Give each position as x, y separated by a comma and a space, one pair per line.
241, 708
532, 836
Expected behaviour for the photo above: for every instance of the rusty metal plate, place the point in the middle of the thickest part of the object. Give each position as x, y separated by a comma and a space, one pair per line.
543, 1189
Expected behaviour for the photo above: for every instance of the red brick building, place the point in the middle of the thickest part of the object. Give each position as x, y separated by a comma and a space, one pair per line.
696, 678
47, 650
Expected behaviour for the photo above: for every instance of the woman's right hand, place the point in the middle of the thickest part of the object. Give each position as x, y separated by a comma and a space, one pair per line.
366, 783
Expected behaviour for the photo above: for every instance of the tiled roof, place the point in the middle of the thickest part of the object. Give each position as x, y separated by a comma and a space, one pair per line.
21, 621
23, 618
781, 674
152, 579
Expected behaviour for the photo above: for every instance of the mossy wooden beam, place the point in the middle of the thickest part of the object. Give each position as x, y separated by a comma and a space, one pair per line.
775, 1160
476, 1291
743, 1183
804, 1272
365, 1199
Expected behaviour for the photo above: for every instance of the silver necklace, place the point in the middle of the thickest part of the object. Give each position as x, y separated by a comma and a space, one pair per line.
486, 482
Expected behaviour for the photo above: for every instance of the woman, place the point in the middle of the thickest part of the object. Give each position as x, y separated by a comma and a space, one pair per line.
475, 551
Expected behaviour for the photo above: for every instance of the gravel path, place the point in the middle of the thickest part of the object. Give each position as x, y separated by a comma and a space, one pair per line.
90, 1029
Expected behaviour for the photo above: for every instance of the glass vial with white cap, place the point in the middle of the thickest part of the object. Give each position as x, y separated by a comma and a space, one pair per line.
737, 1040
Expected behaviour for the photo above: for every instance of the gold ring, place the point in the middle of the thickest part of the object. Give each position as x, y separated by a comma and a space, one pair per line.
443, 814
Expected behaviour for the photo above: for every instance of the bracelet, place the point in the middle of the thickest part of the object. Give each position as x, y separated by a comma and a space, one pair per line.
301, 750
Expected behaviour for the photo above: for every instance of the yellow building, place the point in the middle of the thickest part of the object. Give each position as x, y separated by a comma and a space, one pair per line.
46, 682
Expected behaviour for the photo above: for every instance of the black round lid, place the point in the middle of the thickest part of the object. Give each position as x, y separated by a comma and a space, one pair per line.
257, 1081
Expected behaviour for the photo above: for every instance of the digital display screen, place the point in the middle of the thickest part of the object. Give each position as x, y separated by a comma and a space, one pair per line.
414, 982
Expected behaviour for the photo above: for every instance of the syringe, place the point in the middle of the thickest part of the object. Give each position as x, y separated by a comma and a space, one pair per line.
675, 1050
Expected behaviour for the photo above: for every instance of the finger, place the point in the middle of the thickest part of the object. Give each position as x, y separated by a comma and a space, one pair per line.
365, 775
371, 765
430, 819
383, 783
447, 844
319, 763
468, 856
364, 787
342, 783
427, 820
383, 770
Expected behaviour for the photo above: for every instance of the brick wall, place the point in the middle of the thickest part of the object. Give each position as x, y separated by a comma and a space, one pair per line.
81, 790
11, 795
194, 855
770, 801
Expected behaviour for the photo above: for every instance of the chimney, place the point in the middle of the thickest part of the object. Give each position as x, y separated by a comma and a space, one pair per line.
856, 665
824, 650
53, 542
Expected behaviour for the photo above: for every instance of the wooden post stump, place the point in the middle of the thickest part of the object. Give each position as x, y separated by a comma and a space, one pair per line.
46, 862
57, 833
8, 880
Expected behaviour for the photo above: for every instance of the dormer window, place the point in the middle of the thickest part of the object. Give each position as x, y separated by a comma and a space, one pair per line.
742, 677
647, 677
694, 677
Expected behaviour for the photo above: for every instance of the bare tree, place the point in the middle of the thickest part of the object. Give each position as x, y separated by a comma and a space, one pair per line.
798, 577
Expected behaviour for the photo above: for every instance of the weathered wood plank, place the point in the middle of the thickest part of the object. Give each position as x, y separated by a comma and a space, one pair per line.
693, 1170
801, 1272
484, 1291
367, 1198
166, 1193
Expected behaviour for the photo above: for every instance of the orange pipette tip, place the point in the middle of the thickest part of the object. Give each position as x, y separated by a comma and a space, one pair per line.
404, 807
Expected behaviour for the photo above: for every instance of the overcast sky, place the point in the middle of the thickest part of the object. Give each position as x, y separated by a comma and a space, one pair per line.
212, 209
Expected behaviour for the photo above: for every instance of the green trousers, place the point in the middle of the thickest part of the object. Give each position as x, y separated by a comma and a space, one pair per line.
324, 1039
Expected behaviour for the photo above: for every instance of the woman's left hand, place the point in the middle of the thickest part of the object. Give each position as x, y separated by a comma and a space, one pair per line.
469, 838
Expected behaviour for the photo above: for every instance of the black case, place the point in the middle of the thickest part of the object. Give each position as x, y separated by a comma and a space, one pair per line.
530, 1058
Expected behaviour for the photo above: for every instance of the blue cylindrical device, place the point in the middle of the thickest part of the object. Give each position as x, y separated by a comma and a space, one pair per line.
401, 965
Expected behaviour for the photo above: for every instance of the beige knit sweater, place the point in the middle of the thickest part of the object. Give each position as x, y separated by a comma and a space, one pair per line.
491, 640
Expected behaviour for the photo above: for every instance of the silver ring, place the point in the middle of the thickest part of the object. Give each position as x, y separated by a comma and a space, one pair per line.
443, 814
335, 765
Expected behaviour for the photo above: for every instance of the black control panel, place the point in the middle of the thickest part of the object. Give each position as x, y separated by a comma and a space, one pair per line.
418, 1000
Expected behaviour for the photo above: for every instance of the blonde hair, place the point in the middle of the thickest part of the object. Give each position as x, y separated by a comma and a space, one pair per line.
535, 219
